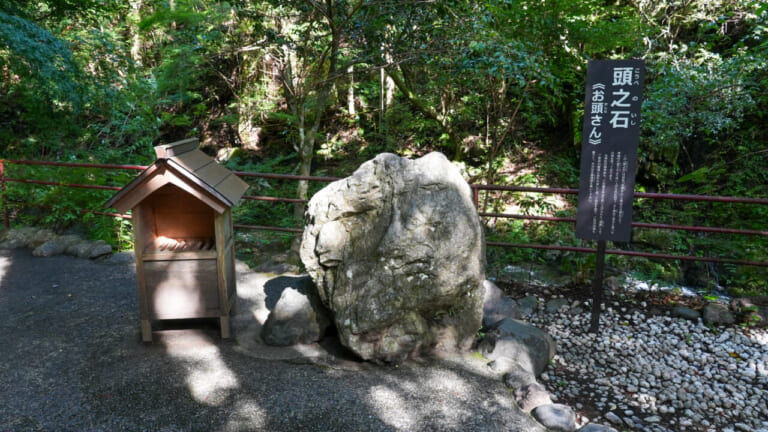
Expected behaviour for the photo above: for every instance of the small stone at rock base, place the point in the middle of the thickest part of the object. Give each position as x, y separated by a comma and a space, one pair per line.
556, 417
685, 313
123, 257
717, 314
529, 346
532, 396
49, 248
528, 305
99, 249
297, 317
593, 427
555, 305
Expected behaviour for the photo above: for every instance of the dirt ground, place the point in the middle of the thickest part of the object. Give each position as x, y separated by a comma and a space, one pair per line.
72, 359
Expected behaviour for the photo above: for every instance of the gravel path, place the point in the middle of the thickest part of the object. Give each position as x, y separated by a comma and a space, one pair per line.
659, 373
72, 360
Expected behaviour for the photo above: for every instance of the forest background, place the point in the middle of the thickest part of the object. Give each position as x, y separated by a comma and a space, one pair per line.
318, 86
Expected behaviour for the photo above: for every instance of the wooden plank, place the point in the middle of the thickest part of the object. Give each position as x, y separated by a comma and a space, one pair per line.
124, 200
189, 183
232, 187
179, 215
177, 148
183, 255
182, 289
146, 330
224, 325
212, 174
194, 161
139, 237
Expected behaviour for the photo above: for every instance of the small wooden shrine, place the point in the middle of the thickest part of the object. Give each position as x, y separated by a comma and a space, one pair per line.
183, 241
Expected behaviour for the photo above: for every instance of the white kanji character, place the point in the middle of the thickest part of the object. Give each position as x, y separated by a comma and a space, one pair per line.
622, 101
620, 119
622, 76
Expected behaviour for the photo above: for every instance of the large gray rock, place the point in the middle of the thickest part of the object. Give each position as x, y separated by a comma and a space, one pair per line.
398, 256
297, 317
530, 347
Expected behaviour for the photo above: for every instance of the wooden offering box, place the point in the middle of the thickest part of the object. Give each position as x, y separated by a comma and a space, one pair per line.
182, 228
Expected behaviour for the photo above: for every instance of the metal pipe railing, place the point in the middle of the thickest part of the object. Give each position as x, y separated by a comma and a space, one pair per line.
476, 188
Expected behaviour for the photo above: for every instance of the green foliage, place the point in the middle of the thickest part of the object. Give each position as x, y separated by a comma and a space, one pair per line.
40, 61
497, 85
60, 207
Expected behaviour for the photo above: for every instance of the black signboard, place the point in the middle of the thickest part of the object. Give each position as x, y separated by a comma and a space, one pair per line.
609, 149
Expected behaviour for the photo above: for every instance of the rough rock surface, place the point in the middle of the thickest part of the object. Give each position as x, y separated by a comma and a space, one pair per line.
497, 306
398, 256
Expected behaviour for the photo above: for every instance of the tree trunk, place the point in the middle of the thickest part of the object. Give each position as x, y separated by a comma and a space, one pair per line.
351, 91
134, 29
428, 111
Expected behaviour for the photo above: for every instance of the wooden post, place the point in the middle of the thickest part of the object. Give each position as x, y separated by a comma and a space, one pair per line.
597, 288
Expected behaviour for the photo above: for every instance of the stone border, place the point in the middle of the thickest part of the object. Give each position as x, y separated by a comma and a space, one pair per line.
532, 349
46, 243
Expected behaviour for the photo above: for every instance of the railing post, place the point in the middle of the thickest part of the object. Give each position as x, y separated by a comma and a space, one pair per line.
2, 192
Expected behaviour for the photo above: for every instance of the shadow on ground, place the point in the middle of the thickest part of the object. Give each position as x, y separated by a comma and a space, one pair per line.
72, 359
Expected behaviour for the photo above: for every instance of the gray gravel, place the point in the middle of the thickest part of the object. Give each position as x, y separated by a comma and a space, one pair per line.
72, 359
660, 373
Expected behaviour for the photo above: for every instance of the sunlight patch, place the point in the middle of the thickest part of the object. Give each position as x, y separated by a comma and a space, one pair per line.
246, 415
5, 264
208, 378
391, 408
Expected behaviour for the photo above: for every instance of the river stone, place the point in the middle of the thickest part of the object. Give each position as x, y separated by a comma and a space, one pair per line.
717, 314
686, 313
398, 256
530, 347
50, 248
532, 396
98, 249
556, 417
594, 427
528, 305
297, 317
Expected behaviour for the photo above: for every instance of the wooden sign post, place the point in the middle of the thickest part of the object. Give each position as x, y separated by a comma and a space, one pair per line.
608, 160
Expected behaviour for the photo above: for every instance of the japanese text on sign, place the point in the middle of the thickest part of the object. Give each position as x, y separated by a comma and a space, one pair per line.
609, 149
